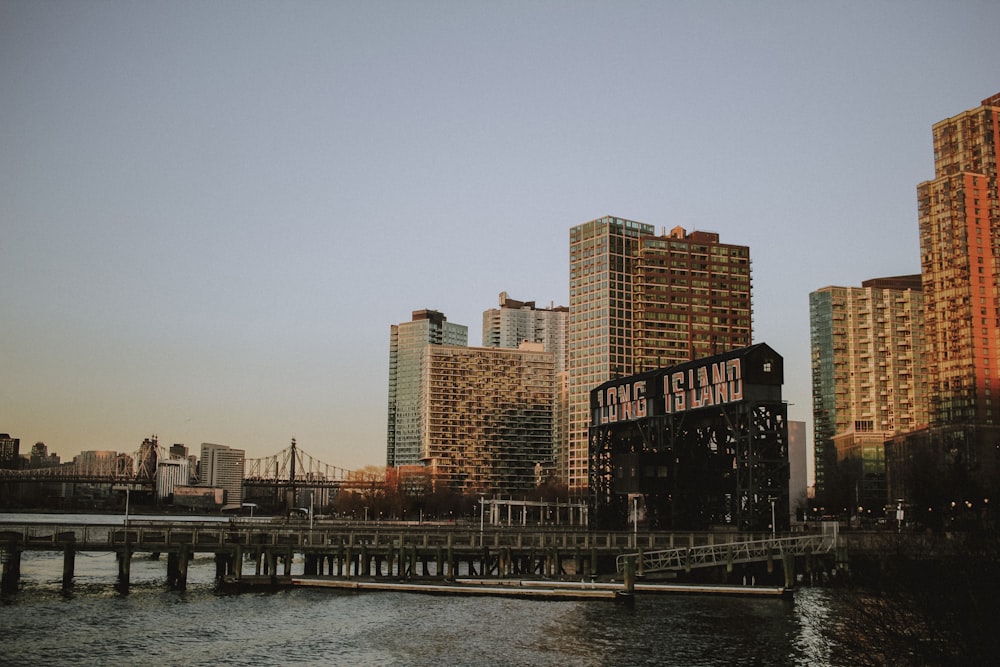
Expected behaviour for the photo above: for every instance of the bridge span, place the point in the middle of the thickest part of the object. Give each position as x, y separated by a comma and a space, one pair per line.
280, 476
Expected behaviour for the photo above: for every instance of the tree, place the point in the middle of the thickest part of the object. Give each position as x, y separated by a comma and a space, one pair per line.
924, 612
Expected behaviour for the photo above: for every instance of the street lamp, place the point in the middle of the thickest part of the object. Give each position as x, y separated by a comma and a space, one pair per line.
773, 525
635, 522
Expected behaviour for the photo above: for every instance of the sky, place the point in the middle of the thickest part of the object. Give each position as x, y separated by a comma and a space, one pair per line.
212, 212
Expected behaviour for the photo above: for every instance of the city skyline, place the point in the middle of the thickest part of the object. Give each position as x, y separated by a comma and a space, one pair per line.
212, 216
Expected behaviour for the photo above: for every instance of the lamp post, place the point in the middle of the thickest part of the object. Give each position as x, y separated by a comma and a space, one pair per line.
773, 522
635, 522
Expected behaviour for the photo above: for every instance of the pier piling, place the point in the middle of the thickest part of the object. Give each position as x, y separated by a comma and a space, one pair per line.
124, 569
182, 569
788, 565
11, 577
627, 595
69, 565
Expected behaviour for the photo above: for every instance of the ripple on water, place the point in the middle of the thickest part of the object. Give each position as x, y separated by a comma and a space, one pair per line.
154, 626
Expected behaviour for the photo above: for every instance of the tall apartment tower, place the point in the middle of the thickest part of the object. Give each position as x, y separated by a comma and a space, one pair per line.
407, 343
959, 237
692, 298
640, 301
868, 382
488, 417
516, 322
222, 467
955, 458
10, 451
601, 257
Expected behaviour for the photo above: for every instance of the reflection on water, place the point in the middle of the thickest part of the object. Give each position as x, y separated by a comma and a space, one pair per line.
96, 625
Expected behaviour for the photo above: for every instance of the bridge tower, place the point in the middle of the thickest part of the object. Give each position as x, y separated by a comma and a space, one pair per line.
290, 495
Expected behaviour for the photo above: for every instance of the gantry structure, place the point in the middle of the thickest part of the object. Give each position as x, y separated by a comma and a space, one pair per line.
692, 446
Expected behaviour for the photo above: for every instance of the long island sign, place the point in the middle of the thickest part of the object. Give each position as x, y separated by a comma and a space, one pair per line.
732, 377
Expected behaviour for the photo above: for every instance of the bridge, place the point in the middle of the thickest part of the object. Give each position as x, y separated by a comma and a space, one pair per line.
104, 467
293, 468
290, 469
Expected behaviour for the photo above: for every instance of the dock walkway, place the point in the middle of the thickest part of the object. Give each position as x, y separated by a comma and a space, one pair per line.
534, 588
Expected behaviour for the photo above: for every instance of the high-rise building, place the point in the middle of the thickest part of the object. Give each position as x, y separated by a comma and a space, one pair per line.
798, 470
955, 461
407, 343
180, 451
40, 457
959, 235
171, 473
222, 467
692, 298
516, 322
488, 417
10, 455
148, 455
640, 301
601, 257
868, 382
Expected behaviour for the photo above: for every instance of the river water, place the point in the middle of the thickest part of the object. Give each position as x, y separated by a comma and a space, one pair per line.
95, 625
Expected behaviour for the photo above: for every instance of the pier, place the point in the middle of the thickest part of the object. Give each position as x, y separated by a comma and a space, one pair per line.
373, 555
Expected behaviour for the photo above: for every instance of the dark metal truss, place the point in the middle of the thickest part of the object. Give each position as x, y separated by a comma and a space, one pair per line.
692, 470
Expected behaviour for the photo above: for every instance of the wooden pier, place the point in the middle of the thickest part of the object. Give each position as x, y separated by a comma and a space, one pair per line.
362, 556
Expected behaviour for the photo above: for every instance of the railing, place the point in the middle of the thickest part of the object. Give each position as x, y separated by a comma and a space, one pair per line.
257, 533
747, 551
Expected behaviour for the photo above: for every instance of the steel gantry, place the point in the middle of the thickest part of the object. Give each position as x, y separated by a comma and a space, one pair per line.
692, 446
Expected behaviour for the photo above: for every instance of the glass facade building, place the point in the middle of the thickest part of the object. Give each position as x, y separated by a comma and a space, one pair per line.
516, 322
868, 380
407, 343
602, 254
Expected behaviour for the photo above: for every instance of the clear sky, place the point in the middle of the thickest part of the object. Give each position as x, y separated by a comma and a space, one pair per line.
212, 212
